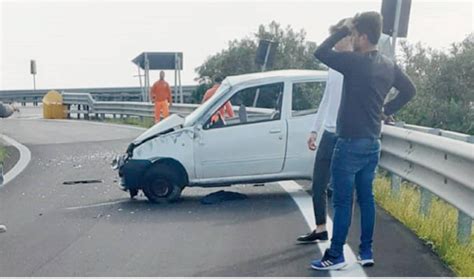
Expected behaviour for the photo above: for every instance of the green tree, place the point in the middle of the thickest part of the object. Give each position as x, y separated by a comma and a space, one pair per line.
445, 86
293, 52
198, 93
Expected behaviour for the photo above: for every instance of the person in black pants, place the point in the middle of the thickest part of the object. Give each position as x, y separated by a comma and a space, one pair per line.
368, 77
326, 122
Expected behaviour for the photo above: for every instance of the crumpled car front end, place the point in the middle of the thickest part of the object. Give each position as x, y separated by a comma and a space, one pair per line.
131, 170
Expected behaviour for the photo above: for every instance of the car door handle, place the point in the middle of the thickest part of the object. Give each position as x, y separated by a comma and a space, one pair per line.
275, 131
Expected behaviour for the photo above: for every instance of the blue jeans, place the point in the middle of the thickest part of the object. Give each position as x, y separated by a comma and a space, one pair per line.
354, 162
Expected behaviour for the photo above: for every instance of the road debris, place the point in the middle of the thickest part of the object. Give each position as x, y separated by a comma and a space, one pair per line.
74, 182
220, 196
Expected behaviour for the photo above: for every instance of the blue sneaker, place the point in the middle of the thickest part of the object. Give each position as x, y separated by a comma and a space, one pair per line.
329, 263
366, 258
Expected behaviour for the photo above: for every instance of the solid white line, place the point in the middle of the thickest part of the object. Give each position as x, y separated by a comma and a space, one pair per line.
25, 158
94, 205
305, 204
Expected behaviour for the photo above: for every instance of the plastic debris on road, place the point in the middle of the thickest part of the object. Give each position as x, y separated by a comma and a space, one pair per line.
221, 196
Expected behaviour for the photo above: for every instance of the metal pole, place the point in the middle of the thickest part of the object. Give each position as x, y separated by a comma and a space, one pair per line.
395, 27
147, 78
264, 66
175, 89
34, 82
141, 86
180, 86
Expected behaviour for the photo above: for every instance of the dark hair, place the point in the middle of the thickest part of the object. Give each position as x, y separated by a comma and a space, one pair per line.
369, 23
218, 79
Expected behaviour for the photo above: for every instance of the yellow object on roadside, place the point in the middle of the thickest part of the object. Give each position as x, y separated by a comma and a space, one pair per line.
53, 107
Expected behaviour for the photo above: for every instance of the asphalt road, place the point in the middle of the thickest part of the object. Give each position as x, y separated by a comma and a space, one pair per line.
96, 230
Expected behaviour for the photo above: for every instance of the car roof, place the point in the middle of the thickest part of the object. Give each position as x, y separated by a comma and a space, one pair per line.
276, 76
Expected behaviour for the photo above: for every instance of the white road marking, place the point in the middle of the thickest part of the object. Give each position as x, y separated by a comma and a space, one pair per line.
94, 205
25, 158
305, 204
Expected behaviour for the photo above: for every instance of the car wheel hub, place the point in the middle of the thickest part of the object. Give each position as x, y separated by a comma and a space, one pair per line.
161, 188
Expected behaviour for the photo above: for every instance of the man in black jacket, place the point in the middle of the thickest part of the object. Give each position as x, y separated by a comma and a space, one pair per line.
368, 77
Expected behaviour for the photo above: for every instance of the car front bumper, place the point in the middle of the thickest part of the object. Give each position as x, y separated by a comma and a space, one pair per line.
132, 172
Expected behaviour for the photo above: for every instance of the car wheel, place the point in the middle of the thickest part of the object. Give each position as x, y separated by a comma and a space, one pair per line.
161, 184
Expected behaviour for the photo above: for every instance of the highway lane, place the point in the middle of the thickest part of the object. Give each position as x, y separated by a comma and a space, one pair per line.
96, 230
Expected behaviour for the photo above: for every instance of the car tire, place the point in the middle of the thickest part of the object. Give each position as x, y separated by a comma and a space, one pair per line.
161, 184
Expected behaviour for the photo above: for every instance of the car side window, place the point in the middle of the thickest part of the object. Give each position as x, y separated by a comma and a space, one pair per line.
306, 97
250, 105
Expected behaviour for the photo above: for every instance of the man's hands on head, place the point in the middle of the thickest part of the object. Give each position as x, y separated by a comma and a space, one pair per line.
349, 24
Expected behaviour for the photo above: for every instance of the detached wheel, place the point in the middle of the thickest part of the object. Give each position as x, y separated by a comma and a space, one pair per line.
161, 184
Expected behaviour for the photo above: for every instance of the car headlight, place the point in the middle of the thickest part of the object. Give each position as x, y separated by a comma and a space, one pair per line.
119, 161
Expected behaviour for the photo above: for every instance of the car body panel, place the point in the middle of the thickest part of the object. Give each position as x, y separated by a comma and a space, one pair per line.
253, 152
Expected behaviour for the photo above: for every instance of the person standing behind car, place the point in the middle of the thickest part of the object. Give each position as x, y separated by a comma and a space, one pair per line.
368, 77
226, 109
326, 119
160, 95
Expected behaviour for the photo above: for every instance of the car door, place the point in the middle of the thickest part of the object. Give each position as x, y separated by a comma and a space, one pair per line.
252, 142
305, 99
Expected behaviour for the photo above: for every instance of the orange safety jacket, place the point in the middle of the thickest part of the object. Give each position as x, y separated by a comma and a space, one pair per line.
226, 109
160, 92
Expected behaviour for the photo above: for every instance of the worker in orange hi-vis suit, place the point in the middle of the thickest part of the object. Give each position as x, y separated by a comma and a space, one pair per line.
226, 109
160, 95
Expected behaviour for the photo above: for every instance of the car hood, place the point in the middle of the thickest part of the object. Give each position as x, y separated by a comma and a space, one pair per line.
173, 122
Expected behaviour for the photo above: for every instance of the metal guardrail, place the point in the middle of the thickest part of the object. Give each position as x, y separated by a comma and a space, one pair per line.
129, 94
440, 162
84, 104
437, 131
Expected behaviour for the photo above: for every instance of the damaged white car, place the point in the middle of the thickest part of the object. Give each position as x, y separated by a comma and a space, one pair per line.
264, 142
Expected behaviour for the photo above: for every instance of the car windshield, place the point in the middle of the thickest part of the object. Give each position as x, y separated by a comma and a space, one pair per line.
196, 114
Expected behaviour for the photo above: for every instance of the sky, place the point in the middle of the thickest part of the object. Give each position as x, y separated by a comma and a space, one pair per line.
91, 43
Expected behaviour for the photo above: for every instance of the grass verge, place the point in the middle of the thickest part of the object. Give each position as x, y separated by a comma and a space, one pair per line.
438, 229
146, 122
3, 153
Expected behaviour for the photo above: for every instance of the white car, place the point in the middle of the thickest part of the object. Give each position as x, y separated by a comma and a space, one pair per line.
264, 142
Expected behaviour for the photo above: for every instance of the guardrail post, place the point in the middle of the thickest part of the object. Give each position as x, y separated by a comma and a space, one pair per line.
426, 196
425, 201
464, 227
86, 113
395, 182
